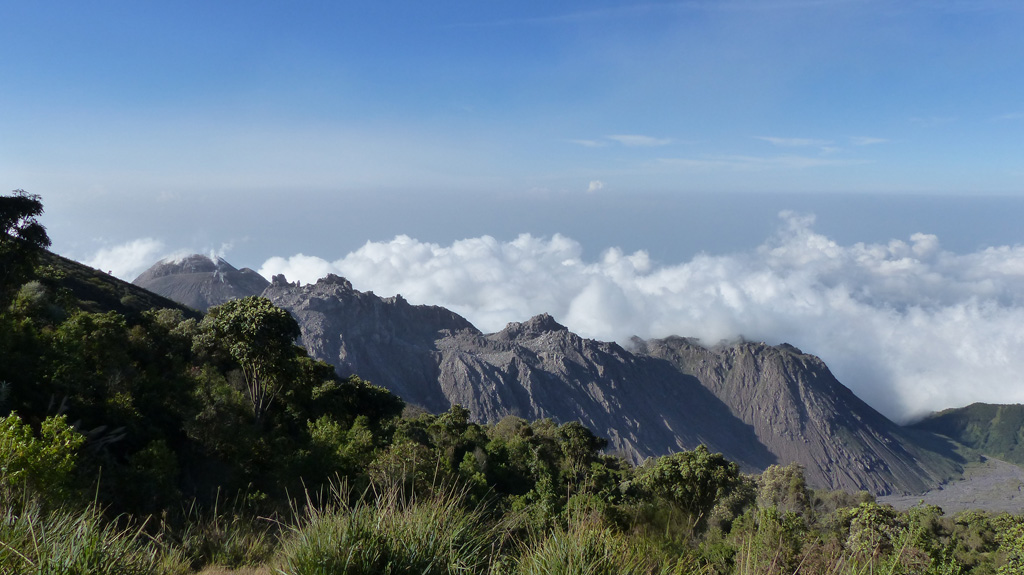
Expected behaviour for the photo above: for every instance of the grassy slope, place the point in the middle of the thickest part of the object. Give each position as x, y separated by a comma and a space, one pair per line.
97, 291
996, 430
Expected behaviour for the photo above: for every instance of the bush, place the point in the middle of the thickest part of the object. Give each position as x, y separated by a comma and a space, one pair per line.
39, 467
389, 534
586, 548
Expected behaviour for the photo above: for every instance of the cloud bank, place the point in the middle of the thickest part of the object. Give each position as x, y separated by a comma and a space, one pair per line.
127, 260
908, 326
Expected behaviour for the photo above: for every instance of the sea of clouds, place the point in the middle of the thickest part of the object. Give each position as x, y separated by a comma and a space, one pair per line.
910, 327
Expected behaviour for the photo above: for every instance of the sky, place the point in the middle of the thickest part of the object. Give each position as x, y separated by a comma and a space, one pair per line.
843, 175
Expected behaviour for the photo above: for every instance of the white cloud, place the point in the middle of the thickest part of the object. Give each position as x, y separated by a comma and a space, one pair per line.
866, 141
638, 141
738, 163
590, 143
594, 186
127, 260
793, 142
908, 326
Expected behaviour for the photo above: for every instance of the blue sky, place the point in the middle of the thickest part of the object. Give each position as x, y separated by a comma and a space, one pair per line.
765, 96
672, 131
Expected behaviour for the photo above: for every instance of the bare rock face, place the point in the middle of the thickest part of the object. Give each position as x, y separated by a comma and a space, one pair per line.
644, 406
801, 413
755, 403
199, 282
384, 340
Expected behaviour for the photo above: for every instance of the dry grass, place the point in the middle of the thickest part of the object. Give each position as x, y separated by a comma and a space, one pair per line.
218, 570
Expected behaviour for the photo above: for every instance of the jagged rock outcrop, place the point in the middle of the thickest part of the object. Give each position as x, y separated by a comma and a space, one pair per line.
801, 413
200, 282
755, 403
383, 340
643, 405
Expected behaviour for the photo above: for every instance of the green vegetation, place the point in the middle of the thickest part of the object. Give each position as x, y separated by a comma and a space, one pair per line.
994, 429
22, 238
153, 440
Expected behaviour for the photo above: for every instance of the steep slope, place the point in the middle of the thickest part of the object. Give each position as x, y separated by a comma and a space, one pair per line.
641, 404
801, 413
996, 430
755, 403
386, 341
97, 291
200, 282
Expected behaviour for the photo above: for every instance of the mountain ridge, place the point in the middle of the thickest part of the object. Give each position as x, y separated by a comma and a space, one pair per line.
757, 404
994, 429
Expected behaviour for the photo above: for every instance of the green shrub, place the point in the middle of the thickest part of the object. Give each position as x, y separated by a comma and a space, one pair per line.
40, 467
586, 548
389, 534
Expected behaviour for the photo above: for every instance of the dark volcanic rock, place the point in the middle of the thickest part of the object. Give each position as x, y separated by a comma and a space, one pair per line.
200, 282
801, 413
643, 405
384, 340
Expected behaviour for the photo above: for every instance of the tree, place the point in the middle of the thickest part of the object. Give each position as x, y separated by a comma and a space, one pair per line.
693, 481
21, 239
261, 338
874, 529
784, 488
579, 447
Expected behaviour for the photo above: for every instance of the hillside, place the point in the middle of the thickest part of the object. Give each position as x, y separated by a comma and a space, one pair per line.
96, 291
800, 412
995, 430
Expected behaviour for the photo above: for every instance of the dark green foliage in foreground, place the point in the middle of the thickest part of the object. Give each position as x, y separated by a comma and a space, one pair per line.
994, 429
693, 481
22, 238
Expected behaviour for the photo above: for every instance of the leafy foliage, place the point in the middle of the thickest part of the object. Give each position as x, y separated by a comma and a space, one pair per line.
261, 338
22, 237
694, 481
40, 465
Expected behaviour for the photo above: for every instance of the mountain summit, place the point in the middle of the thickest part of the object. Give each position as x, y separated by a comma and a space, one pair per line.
200, 282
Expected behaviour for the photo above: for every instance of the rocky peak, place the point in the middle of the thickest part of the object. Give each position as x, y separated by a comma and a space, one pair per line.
332, 279
387, 341
536, 326
759, 404
192, 264
200, 281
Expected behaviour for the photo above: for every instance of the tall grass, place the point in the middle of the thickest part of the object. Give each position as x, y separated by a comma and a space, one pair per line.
586, 549
231, 536
231, 541
33, 542
389, 533
393, 532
